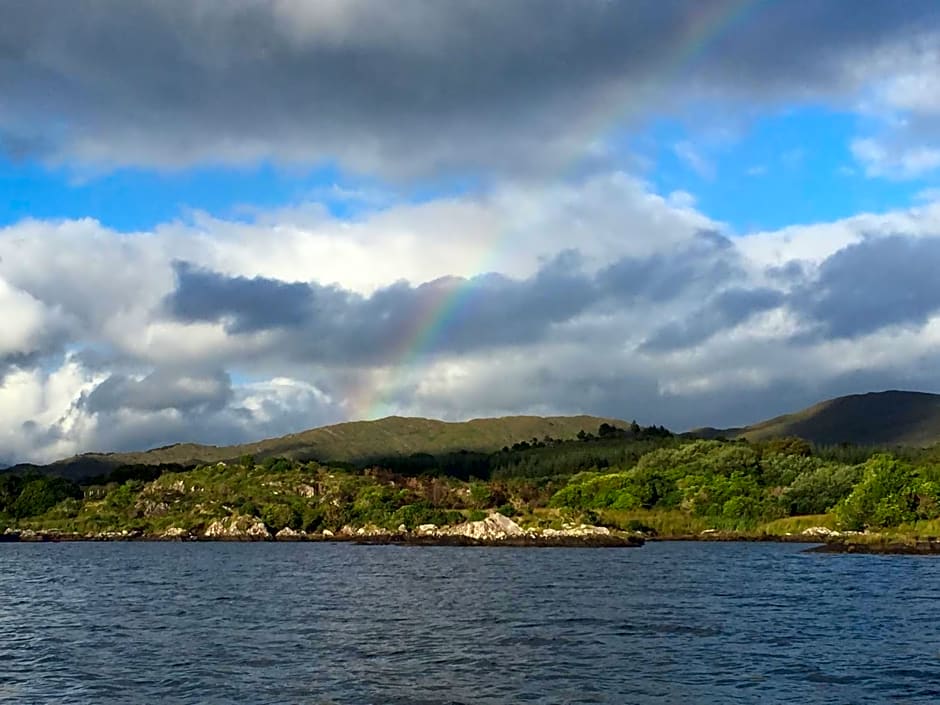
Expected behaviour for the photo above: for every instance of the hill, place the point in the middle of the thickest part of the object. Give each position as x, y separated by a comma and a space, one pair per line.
351, 442
891, 418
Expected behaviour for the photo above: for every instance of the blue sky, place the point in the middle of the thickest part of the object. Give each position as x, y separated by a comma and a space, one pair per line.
781, 168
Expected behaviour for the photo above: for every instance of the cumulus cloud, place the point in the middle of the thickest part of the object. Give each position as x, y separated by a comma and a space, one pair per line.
131, 341
874, 284
328, 324
406, 88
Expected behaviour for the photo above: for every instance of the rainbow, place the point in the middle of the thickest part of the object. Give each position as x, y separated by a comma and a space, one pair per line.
707, 24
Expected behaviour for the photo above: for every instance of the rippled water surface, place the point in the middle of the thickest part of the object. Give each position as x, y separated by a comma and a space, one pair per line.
330, 623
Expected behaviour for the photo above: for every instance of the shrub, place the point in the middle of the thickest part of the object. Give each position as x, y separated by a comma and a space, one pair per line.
887, 495
820, 489
412, 515
248, 508
279, 516
39, 495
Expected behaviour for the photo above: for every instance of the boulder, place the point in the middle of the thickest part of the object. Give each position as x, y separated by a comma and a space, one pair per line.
288, 534
237, 526
306, 491
493, 528
820, 532
371, 530
577, 530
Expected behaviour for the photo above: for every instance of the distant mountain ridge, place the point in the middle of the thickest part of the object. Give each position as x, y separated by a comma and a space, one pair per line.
354, 441
889, 418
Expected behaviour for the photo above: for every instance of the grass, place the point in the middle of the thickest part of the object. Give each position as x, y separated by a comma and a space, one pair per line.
664, 522
798, 524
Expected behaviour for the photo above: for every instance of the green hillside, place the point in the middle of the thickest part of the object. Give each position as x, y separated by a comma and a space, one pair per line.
355, 442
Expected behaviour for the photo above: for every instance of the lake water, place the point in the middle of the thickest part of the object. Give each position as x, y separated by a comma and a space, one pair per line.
344, 624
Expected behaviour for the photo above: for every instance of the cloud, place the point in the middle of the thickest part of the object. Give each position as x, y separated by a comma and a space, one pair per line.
403, 89
726, 310
248, 304
450, 315
895, 161
902, 110
874, 284
159, 390
596, 296
687, 152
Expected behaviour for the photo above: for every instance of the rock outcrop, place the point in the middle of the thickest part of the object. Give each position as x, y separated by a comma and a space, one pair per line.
175, 532
493, 528
289, 534
819, 532
238, 526
577, 530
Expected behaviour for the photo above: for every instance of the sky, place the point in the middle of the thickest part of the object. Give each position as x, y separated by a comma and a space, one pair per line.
222, 221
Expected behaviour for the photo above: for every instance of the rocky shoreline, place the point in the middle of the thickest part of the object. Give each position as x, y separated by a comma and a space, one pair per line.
886, 547
612, 541
494, 530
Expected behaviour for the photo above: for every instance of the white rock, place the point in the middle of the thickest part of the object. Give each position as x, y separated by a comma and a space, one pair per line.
494, 527
820, 531
238, 526
289, 533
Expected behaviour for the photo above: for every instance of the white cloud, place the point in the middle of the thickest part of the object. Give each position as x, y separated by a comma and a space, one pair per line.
896, 162
694, 159
23, 321
105, 293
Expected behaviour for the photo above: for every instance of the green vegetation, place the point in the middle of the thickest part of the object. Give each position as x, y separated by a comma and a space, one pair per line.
356, 442
628, 478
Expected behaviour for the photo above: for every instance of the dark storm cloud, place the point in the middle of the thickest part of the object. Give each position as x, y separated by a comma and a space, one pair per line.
871, 285
410, 86
326, 323
251, 304
160, 390
452, 314
710, 261
726, 310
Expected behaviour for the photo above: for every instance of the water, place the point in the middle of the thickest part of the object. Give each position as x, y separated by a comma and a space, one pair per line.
343, 624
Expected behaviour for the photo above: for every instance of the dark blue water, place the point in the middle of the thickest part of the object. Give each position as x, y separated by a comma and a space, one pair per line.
307, 623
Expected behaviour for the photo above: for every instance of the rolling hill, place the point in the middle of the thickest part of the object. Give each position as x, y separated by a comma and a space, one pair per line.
891, 418
355, 441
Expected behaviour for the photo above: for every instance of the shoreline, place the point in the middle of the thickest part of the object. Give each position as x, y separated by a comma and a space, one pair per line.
587, 541
884, 547
833, 545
